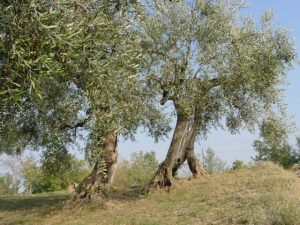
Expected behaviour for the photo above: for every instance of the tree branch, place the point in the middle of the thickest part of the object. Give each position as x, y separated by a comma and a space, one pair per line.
79, 124
163, 87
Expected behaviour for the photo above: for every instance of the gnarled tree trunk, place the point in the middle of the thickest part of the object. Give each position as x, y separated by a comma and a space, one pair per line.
98, 182
188, 152
181, 149
191, 158
111, 157
164, 175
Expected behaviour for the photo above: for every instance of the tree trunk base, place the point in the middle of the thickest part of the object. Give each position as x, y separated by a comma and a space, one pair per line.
86, 193
92, 185
195, 167
99, 183
161, 180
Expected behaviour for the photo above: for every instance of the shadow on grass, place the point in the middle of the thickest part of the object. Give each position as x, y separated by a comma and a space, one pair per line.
45, 203
48, 201
126, 194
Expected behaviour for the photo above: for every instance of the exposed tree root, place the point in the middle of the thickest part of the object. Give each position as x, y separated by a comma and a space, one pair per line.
99, 183
162, 179
195, 167
91, 185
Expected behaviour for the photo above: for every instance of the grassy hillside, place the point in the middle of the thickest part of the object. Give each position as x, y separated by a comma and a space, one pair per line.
266, 195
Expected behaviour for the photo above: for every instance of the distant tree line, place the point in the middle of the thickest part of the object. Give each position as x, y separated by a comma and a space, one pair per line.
26, 175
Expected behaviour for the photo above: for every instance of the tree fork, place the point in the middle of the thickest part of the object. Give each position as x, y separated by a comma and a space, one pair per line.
190, 156
188, 152
163, 176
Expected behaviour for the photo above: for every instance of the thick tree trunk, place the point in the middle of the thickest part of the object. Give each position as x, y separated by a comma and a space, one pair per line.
181, 149
188, 152
164, 176
111, 157
99, 182
194, 164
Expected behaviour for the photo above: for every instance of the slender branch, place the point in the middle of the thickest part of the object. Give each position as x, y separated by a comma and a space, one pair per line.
163, 87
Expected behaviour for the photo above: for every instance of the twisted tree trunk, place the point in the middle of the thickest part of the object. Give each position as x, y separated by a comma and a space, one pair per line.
181, 149
190, 156
163, 176
188, 153
98, 182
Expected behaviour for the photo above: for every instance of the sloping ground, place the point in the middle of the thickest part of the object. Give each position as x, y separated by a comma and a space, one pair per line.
265, 195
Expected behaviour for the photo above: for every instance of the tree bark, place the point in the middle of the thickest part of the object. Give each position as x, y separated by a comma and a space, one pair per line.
188, 153
98, 182
194, 164
164, 176
181, 148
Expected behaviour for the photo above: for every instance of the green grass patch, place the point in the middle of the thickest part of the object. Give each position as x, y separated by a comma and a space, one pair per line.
263, 195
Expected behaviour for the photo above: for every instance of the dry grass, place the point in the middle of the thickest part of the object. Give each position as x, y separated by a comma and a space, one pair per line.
266, 195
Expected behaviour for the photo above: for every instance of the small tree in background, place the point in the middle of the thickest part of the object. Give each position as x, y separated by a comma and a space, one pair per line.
212, 163
30, 173
273, 145
122, 178
26, 174
23, 173
13, 166
137, 171
53, 176
143, 166
6, 184
238, 164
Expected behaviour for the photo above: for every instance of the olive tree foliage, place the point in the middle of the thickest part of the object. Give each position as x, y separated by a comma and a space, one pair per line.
36, 42
213, 66
273, 143
202, 53
37, 37
70, 65
73, 66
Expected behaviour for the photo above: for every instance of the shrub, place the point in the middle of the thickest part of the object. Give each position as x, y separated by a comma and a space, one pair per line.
238, 164
6, 183
137, 171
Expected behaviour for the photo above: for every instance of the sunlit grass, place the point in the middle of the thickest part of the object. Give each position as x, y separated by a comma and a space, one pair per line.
265, 194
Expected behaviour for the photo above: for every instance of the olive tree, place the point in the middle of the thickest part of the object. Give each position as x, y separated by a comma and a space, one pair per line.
273, 143
212, 66
68, 67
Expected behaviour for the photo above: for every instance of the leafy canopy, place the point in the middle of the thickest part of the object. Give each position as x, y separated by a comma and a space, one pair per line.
68, 67
214, 64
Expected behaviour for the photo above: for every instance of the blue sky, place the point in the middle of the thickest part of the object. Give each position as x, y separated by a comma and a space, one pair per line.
231, 147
